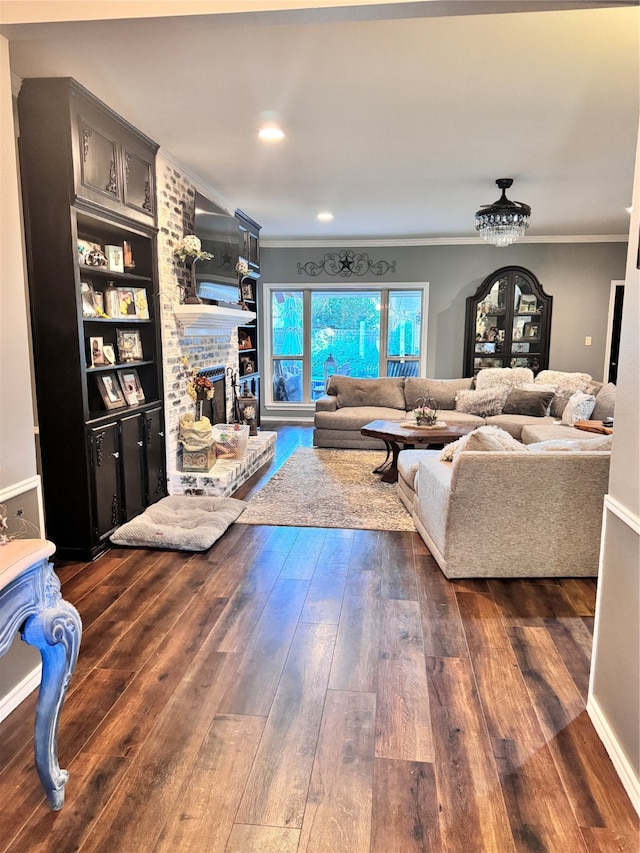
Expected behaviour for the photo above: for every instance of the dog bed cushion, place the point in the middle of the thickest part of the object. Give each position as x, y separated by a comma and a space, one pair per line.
181, 523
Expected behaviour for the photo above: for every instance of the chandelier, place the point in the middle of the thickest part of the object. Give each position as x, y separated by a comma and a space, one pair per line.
503, 221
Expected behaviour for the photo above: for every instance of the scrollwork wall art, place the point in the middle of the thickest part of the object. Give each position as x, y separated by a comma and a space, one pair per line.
346, 263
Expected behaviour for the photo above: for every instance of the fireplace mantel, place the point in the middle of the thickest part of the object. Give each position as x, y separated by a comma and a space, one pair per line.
210, 320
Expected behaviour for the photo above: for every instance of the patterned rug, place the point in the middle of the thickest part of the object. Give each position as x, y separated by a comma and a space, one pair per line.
317, 487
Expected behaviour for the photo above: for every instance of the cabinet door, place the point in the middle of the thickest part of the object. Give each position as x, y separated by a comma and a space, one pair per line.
133, 469
138, 182
154, 442
99, 166
105, 469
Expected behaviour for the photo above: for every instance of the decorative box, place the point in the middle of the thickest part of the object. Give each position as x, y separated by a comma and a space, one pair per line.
199, 460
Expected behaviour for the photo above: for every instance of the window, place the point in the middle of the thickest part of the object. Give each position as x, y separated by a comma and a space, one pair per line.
316, 331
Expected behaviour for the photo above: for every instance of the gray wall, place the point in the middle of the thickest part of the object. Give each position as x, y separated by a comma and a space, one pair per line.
577, 275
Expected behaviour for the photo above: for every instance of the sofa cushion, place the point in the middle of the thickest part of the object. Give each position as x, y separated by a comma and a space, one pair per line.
578, 408
355, 417
483, 438
601, 442
503, 377
544, 429
533, 403
514, 424
443, 391
356, 391
605, 402
483, 403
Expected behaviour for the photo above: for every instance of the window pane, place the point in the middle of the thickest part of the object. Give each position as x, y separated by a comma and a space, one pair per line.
287, 380
287, 322
345, 335
402, 368
405, 317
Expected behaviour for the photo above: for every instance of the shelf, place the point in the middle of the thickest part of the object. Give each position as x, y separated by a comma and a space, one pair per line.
111, 274
206, 320
100, 368
128, 320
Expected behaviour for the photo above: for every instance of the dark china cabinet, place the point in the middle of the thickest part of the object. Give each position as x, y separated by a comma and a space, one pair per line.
248, 353
508, 323
89, 202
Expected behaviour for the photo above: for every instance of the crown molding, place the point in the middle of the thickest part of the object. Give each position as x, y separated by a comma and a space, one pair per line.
201, 186
431, 241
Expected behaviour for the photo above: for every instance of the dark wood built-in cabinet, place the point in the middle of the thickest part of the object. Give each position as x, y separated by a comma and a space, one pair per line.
508, 323
248, 352
88, 184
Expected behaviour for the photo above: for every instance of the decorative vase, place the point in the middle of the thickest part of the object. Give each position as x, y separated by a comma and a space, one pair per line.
199, 404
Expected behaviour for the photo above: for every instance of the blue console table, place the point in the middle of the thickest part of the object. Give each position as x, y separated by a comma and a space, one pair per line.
30, 602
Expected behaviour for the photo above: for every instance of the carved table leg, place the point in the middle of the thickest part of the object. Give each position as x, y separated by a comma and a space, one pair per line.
56, 632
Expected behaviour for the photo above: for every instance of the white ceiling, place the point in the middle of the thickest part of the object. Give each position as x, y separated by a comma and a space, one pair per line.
398, 116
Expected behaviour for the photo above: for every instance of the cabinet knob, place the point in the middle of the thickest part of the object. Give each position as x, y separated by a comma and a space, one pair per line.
161, 434
116, 455
140, 443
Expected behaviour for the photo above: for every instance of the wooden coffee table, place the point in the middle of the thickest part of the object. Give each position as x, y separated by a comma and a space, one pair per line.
397, 438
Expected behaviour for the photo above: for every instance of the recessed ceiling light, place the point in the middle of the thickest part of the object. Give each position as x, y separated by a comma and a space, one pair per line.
270, 133
325, 216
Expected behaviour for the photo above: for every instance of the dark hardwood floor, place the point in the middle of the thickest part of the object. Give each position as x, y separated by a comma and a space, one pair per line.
306, 689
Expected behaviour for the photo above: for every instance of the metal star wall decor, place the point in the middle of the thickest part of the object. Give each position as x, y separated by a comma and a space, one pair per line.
346, 263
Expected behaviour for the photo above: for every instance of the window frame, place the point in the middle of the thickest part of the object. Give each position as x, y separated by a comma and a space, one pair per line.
308, 405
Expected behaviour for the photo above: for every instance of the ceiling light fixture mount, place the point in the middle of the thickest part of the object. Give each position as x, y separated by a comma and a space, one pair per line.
503, 221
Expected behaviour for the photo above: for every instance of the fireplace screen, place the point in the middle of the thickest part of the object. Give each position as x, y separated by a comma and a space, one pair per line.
216, 408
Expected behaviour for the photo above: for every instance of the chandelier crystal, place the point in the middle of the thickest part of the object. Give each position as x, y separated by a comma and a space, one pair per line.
503, 221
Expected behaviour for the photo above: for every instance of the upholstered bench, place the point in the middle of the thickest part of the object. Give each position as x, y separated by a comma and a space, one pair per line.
30, 602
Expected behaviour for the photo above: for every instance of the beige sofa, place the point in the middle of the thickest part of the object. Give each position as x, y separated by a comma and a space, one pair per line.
350, 403
506, 514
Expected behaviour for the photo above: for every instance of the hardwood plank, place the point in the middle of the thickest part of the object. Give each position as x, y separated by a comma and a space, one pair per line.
403, 725
16, 730
398, 570
355, 662
600, 840
262, 839
161, 769
203, 817
247, 602
573, 640
405, 808
90, 575
136, 711
473, 815
324, 598
92, 780
304, 553
442, 628
338, 813
276, 790
260, 666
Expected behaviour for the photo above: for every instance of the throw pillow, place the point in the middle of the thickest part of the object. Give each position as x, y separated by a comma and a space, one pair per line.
605, 402
503, 377
387, 392
578, 408
443, 391
563, 380
483, 403
491, 438
603, 442
560, 400
532, 403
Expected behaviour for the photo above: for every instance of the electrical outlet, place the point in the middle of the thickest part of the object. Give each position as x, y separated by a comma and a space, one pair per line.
587, 341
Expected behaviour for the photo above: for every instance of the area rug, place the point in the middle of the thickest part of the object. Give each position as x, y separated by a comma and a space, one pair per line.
317, 487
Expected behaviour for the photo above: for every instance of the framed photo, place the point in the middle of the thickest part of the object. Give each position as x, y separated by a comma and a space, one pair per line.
88, 299
109, 354
530, 330
520, 348
129, 345
115, 258
96, 350
528, 304
140, 301
131, 387
126, 302
485, 347
110, 391
246, 288
244, 339
247, 365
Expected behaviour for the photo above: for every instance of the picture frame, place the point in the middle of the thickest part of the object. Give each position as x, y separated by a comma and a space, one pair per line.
109, 353
115, 258
247, 365
141, 303
126, 302
528, 304
88, 299
110, 390
516, 347
131, 387
244, 339
485, 347
246, 289
531, 330
96, 351
129, 345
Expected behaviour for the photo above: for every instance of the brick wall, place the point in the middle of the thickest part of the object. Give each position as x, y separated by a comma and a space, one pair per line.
176, 203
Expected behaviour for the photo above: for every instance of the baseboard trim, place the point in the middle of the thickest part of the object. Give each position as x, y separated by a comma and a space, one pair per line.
623, 768
20, 692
